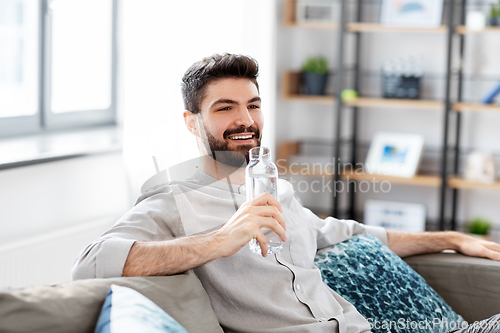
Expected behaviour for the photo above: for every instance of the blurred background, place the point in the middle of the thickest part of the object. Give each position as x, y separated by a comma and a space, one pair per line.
90, 92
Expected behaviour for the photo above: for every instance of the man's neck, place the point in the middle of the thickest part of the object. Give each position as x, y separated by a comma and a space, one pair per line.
223, 172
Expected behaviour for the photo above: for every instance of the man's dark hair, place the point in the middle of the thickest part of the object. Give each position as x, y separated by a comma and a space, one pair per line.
209, 69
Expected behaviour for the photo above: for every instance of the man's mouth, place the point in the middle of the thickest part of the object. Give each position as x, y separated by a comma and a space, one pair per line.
242, 137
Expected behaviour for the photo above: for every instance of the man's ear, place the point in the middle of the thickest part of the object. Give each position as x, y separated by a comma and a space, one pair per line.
191, 121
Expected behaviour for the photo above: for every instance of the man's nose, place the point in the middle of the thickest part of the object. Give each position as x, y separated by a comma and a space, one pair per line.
244, 118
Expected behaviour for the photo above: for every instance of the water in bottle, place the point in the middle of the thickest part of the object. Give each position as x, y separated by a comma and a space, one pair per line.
262, 177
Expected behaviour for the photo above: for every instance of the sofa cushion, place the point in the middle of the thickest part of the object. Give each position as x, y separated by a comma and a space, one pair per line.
468, 284
75, 306
126, 310
383, 288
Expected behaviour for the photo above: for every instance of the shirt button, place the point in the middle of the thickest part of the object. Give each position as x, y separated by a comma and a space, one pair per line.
298, 287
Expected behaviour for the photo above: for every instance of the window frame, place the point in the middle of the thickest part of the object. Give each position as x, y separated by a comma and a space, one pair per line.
44, 120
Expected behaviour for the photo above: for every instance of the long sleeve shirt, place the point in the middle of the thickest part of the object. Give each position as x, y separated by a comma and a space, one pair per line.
249, 293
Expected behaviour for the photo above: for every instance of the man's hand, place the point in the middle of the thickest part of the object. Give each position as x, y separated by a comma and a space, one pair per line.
475, 247
406, 244
262, 212
178, 255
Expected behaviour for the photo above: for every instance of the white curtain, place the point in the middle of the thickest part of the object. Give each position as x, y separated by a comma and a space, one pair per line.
159, 41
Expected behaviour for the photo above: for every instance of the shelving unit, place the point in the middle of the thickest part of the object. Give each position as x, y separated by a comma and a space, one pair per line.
446, 179
455, 182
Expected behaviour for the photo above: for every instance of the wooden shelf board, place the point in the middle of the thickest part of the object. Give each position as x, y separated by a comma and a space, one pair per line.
460, 183
476, 107
291, 90
461, 29
314, 25
396, 103
419, 180
311, 98
376, 27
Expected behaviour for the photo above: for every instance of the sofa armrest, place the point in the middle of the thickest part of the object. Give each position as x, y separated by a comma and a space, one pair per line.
469, 285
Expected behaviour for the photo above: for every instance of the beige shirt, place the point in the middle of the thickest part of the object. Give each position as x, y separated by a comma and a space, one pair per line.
249, 293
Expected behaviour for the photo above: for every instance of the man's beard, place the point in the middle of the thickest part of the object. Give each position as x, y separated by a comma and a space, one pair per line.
221, 152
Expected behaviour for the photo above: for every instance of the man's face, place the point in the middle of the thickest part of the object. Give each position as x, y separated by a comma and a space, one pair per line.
231, 120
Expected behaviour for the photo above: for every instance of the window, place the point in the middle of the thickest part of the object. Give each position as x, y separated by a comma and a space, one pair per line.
57, 64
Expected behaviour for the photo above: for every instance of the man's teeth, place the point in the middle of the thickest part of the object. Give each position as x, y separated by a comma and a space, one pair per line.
241, 137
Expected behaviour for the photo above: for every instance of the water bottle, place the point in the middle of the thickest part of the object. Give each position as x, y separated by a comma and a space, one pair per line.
262, 176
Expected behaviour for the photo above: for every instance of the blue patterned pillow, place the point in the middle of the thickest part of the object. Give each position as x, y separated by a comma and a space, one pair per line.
127, 310
383, 288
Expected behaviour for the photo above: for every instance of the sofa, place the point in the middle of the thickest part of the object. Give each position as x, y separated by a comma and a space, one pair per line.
469, 285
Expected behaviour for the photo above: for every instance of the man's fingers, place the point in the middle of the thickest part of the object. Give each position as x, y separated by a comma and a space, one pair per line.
493, 246
268, 211
492, 251
266, 199
262, 239
271, 223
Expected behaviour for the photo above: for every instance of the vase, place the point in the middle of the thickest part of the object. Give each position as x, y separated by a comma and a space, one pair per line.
314, 84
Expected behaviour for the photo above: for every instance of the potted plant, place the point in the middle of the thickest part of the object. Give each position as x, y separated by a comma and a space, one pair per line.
479, 227
494, 15
315, 75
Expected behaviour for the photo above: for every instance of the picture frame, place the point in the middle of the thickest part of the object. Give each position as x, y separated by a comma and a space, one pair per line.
413, 13
394, 154
408, 217
314, 12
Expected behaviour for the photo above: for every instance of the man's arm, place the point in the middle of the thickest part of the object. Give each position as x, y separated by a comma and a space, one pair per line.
178, 255
405, 244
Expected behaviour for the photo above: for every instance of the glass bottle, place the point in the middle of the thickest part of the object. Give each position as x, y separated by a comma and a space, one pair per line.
262, 176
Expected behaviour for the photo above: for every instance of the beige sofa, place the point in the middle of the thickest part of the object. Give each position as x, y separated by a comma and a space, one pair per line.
469, 285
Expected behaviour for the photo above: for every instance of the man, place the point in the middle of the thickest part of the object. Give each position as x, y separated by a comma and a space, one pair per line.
204, 223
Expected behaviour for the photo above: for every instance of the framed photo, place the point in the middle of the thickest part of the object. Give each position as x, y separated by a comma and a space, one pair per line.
414, 13
402, 216
314, 12
394, 154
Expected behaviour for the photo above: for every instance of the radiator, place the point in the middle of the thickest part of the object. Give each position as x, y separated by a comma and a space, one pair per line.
47, 258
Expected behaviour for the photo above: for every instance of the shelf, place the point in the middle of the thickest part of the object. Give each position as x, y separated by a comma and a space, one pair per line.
291, 22
461, 29
291, 90
418, 180
476, 107
314, 25
460, 183
311, 98
396, 103
376, 27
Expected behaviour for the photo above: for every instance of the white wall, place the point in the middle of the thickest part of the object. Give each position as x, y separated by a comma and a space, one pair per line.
160, 41
300, 120
50, 211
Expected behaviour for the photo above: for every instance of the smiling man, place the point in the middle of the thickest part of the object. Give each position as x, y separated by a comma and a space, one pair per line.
204, 222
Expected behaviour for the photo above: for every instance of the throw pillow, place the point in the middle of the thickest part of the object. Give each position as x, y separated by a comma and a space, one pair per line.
126, 310
383, 288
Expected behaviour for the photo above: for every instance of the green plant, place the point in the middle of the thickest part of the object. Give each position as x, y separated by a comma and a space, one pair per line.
479, 226
317, 65
495, 11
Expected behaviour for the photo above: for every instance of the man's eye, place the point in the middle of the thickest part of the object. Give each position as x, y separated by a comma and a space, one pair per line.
224, 109
253, 107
